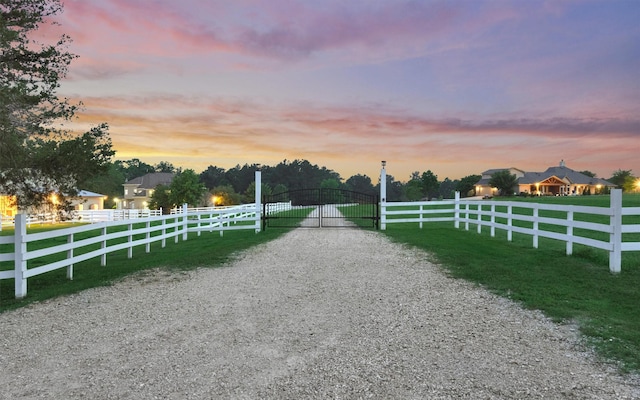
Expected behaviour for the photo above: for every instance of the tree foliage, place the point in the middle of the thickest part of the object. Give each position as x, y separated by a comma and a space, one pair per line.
134, 168
414, 190
187, 188
467, 185
161, 199
213, 176
620, 176
38, 155
429, 184
225, 195
504, 181
361, 184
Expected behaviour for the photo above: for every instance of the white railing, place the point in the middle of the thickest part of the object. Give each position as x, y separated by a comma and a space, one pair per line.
273, 208
558, 222
99, 239
87, 216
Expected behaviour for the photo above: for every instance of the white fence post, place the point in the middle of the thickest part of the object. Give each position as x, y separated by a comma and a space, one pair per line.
103, 246
569, 245
509, 222
185, 214
258, 199
383, 197
479, 217
466, 216
456, 211
20, 250
615, 238
70, 255
130, 240
536, 224
493, 219
147, 248
164, 232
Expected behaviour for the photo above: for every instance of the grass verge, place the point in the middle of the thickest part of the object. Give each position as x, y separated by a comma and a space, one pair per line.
576, 288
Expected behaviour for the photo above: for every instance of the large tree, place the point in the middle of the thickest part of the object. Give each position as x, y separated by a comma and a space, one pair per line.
361, 183
38, 154
429, 184
187, 188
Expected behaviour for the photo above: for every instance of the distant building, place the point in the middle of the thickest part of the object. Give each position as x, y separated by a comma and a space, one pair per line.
138, 191
85, 200
555, 181
88, 201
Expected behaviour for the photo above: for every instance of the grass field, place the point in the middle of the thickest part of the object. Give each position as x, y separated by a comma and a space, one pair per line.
577, 289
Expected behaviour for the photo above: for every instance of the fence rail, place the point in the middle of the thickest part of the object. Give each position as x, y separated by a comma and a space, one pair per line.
597, 227
89, 216
99, 239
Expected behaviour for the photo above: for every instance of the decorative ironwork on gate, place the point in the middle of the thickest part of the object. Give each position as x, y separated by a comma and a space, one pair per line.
324, 207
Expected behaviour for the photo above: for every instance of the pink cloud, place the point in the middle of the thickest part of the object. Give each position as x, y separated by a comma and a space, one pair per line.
203, 130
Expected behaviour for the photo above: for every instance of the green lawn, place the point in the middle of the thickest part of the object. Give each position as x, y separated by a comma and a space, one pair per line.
578, 288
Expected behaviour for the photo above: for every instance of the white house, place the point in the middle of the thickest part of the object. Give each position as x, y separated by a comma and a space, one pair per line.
555, 181
138, 191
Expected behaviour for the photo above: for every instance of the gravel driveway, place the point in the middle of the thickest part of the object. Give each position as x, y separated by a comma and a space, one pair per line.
318, 313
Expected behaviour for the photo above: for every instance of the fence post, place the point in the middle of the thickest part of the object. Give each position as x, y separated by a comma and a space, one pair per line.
383, 197
569, 232
20, 250
479, 217
185, 228
130, 240
147, 248
103, 246
70, 255
421, 214
615, 238
536, 225
466, 216
509, 222
164, 232
456, 211
258, 199
493, 219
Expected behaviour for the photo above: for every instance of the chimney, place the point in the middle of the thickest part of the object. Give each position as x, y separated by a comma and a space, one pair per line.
562, 163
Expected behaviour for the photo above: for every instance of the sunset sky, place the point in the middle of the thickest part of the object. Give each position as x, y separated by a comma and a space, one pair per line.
455, 87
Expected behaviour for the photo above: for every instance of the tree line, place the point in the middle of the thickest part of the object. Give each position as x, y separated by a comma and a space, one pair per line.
237, 185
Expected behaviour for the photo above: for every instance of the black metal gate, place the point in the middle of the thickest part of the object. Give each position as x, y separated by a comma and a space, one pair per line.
324, 207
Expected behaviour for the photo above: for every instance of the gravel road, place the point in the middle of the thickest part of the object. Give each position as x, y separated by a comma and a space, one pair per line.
318, 314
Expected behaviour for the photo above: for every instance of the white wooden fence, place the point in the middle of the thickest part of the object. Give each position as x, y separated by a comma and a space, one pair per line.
102, 238
565, 223
89, 216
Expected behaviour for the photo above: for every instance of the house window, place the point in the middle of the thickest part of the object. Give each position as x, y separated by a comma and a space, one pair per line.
126, 191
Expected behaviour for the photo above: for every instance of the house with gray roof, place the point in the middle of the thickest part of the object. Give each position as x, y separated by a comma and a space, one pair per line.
138, 191
555, 181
